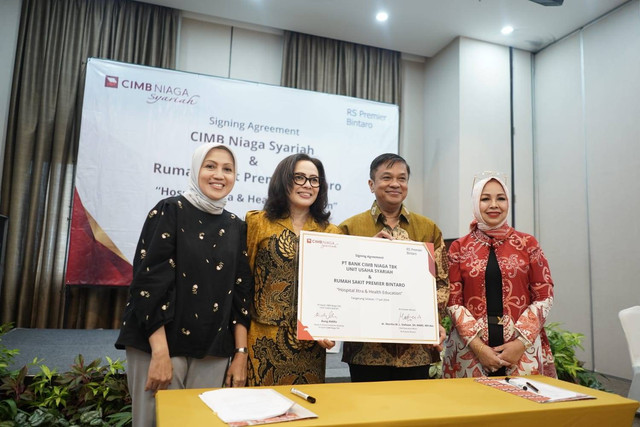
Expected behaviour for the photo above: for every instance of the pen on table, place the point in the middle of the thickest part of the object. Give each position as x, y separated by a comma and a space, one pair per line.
305, 396
520, 386
532, 387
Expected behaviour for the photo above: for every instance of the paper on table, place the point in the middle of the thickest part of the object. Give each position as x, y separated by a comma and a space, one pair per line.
545, 393
242, 404
551, 393
296, 412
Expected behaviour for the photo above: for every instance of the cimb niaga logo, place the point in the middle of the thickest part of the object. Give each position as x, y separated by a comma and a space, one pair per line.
322, 243
157, 91
111, 81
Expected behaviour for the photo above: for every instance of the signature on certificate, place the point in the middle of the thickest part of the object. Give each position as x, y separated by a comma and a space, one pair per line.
408, 317
326, 315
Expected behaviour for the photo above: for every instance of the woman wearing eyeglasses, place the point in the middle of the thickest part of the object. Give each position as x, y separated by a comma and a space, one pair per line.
501, 293
296, 200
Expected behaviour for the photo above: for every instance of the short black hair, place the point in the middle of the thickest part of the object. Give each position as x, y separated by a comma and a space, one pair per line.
387, 159
281, 184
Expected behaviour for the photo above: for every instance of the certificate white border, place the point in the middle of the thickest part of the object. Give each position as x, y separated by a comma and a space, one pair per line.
308, 277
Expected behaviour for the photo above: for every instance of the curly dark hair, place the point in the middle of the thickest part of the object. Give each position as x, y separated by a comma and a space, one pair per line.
387, 159
281, 184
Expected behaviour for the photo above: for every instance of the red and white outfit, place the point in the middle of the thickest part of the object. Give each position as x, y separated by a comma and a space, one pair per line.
527, 297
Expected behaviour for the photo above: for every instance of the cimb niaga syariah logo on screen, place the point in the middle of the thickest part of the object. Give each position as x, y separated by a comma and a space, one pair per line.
111, 81
157, 91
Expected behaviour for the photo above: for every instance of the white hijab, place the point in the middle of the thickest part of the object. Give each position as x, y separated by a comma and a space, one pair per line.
194, 194
476, 193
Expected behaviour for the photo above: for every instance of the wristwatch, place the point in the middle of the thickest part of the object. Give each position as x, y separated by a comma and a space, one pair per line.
242, 350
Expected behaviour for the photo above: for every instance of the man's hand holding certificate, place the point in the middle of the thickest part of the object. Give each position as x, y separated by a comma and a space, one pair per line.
366, 289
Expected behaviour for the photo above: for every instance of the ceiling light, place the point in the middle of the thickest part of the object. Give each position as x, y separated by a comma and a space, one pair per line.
382, 16
507, 30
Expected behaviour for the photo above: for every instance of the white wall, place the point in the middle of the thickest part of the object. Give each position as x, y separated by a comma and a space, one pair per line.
441, 134
204, 47
256, 56
220, 49
411, 135
485, 118
9, 23
587, 141
523, 179
612, 136
561, 184
468, 128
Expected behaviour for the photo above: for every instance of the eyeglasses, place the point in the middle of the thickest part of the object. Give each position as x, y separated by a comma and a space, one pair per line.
301, 180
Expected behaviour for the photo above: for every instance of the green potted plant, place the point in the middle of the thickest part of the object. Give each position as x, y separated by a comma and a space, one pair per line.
569, 368
88, 394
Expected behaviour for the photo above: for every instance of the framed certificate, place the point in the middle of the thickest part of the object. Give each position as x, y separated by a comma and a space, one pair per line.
367, 289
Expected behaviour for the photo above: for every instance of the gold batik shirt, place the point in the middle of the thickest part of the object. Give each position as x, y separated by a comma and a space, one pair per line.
411, 226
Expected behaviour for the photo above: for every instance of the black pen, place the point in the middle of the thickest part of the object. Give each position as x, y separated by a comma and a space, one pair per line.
522, 387
305, 396
532, 387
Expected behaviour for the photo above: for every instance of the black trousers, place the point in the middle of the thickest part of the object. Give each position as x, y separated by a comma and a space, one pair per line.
364, 373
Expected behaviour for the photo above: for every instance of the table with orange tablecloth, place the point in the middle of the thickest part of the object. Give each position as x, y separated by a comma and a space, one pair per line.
459, 402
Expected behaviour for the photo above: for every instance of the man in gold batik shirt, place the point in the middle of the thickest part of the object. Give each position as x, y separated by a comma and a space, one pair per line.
389, 218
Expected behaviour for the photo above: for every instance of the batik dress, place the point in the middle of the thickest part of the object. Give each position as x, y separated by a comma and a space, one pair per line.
276, 356
527, 297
